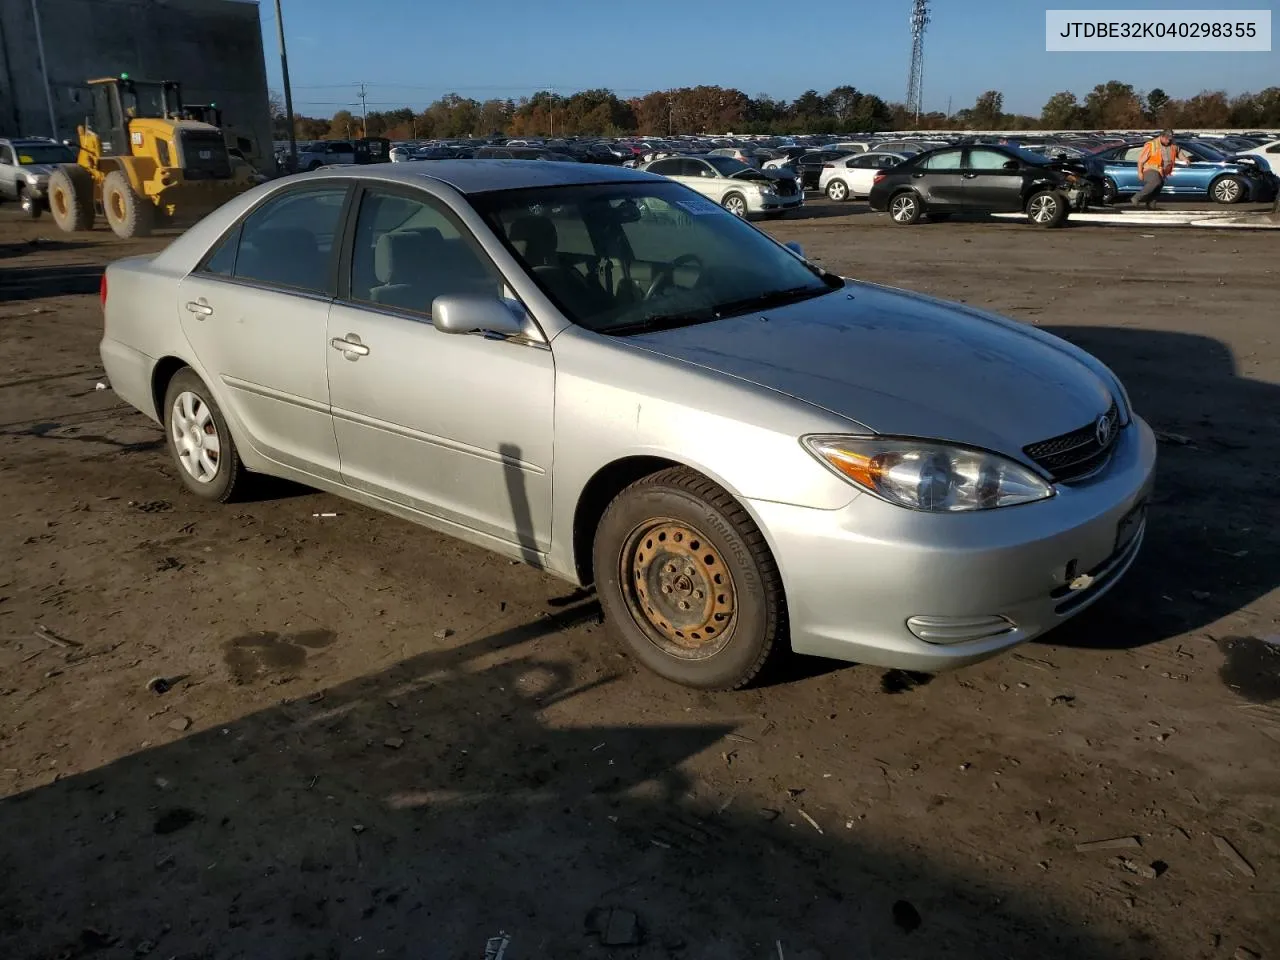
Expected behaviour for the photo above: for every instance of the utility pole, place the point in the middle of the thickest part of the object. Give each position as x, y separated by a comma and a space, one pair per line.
364, 111
915, 84
553, 111
288, 93
44, 72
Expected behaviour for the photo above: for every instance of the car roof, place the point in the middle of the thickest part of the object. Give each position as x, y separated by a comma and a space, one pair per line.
487, 176
30, 141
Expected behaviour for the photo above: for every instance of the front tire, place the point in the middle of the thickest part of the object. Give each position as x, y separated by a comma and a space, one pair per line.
1110, 192
687, 583
736, 204
838, 191
905, 208
1227, 190
128, 214
29, 205
71, 198
1048, 208
199, 442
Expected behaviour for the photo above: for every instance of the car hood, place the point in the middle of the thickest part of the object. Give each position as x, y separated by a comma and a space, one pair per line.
40, 169
903, 364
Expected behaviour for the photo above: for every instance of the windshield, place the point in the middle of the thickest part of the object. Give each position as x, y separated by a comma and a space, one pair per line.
621, 258
148, 99
44, 153
727, 165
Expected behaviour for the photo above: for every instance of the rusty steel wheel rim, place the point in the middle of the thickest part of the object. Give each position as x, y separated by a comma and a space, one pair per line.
117, 205
679, 589
59, 202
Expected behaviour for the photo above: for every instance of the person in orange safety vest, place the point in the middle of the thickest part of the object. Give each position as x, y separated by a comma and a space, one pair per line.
1155, 164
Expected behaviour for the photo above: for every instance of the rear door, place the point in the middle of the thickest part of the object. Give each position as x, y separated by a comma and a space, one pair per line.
457, 427
1123, 169
940, 180
990, 184
255, 312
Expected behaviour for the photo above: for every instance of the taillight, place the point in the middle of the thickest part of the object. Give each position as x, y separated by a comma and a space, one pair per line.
102, 290
878, 177
828, 166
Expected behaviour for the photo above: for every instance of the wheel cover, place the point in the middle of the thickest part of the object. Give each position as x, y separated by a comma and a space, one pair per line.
1043, 209
836, 190
1227, 190
195, 437
737, 206
904, 208
678, 589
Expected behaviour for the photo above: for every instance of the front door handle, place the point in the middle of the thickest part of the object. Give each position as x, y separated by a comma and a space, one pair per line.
350, 346
200, 307
968, 176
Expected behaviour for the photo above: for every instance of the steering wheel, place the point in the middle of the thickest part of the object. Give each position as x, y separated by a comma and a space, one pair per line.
666, 276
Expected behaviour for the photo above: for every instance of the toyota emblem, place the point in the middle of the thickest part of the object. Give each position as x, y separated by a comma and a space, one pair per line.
1103, 430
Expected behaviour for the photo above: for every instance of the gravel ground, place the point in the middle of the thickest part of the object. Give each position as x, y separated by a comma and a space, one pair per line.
376, 741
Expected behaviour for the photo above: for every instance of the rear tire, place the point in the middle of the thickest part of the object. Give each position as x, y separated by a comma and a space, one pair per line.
905, 208
71, 198
1047, 208
838, 191
687, 583
199, 442
1227, 190
29, 205
128, 214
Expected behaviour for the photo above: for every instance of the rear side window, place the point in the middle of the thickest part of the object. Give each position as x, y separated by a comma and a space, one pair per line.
289, 240
1132, 154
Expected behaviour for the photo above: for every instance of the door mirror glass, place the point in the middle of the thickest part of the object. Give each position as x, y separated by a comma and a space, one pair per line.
1011, 165
795, 248
476, 313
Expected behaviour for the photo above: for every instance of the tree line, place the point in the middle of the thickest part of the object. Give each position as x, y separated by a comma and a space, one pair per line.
714, 109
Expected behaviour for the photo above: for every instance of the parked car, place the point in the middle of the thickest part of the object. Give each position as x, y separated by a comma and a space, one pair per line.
982, 179
322, 153
1270, 152
740, 189
521, 153
785, 158
25, 166
676, 408
853, 176
751, 156
809, 166
1207, 173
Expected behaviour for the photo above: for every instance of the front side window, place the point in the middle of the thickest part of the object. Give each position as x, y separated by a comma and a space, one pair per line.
987, 160
289, 241
620, 258
946, 160
667, 168
407, 252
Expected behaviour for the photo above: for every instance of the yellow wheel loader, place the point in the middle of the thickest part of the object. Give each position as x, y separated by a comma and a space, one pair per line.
142, 163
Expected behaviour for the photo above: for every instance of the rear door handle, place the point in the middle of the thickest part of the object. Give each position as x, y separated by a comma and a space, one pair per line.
350, 346
200, 307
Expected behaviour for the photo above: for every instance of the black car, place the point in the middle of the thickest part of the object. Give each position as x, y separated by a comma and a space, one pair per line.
984, 178
808, 165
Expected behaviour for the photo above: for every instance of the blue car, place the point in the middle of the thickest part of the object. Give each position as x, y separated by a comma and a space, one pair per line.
1220, 177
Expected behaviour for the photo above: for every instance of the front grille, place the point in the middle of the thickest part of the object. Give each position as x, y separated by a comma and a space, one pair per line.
204, 155
786, 188
1076, 455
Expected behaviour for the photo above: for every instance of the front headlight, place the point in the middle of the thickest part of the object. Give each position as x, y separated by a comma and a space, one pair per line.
930, 476
765, 188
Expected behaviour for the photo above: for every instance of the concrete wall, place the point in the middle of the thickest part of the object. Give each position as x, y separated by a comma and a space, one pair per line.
212, 47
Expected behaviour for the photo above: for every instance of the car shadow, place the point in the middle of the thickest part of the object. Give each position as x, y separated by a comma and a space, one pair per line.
1209, 549
41, 245
37, 283
454, 796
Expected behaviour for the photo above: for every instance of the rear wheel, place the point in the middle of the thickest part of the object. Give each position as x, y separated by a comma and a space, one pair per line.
1227, 190
128, 214
1048, 208
71, 198
199, 441
736, 204
30, 205
838, 191
687, 583
904, 208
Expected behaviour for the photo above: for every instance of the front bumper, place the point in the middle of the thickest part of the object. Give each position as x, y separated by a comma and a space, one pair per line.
779, 202
854, 577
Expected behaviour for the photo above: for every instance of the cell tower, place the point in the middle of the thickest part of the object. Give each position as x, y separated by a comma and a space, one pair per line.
915, 92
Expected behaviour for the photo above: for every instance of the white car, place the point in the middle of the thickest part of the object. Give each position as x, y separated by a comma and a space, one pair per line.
852, 176
1270, 152
738, 188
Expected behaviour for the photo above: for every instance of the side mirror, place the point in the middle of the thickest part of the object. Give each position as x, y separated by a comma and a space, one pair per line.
1012, 165
475, 313
795, 248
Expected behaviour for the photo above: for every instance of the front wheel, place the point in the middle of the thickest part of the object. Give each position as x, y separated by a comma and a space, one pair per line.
736, 204
1048, 208
71, 198
1227, 190
838, 191
197, 437
1110, 192
29, 205
905, 208
128, 214
687, 583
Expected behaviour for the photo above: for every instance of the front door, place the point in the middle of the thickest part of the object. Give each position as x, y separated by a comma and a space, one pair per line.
255, 313
458, 427
990, 183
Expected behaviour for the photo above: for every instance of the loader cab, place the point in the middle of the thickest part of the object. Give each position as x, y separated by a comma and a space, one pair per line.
117, 100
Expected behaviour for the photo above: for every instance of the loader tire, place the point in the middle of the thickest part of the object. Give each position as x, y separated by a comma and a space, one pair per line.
71, 198
128, 214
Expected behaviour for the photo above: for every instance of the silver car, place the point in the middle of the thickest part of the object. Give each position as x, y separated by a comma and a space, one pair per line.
606, 375
25, 167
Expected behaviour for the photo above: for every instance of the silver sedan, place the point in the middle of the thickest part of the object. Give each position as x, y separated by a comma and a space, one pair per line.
602, 373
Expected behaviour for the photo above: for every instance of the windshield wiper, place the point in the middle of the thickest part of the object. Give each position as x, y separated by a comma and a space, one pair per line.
774, 298
662, 321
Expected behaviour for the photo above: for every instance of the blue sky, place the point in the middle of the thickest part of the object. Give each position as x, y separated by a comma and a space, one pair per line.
409, 52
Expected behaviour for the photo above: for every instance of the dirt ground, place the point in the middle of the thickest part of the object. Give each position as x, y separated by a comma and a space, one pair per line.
378, 742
